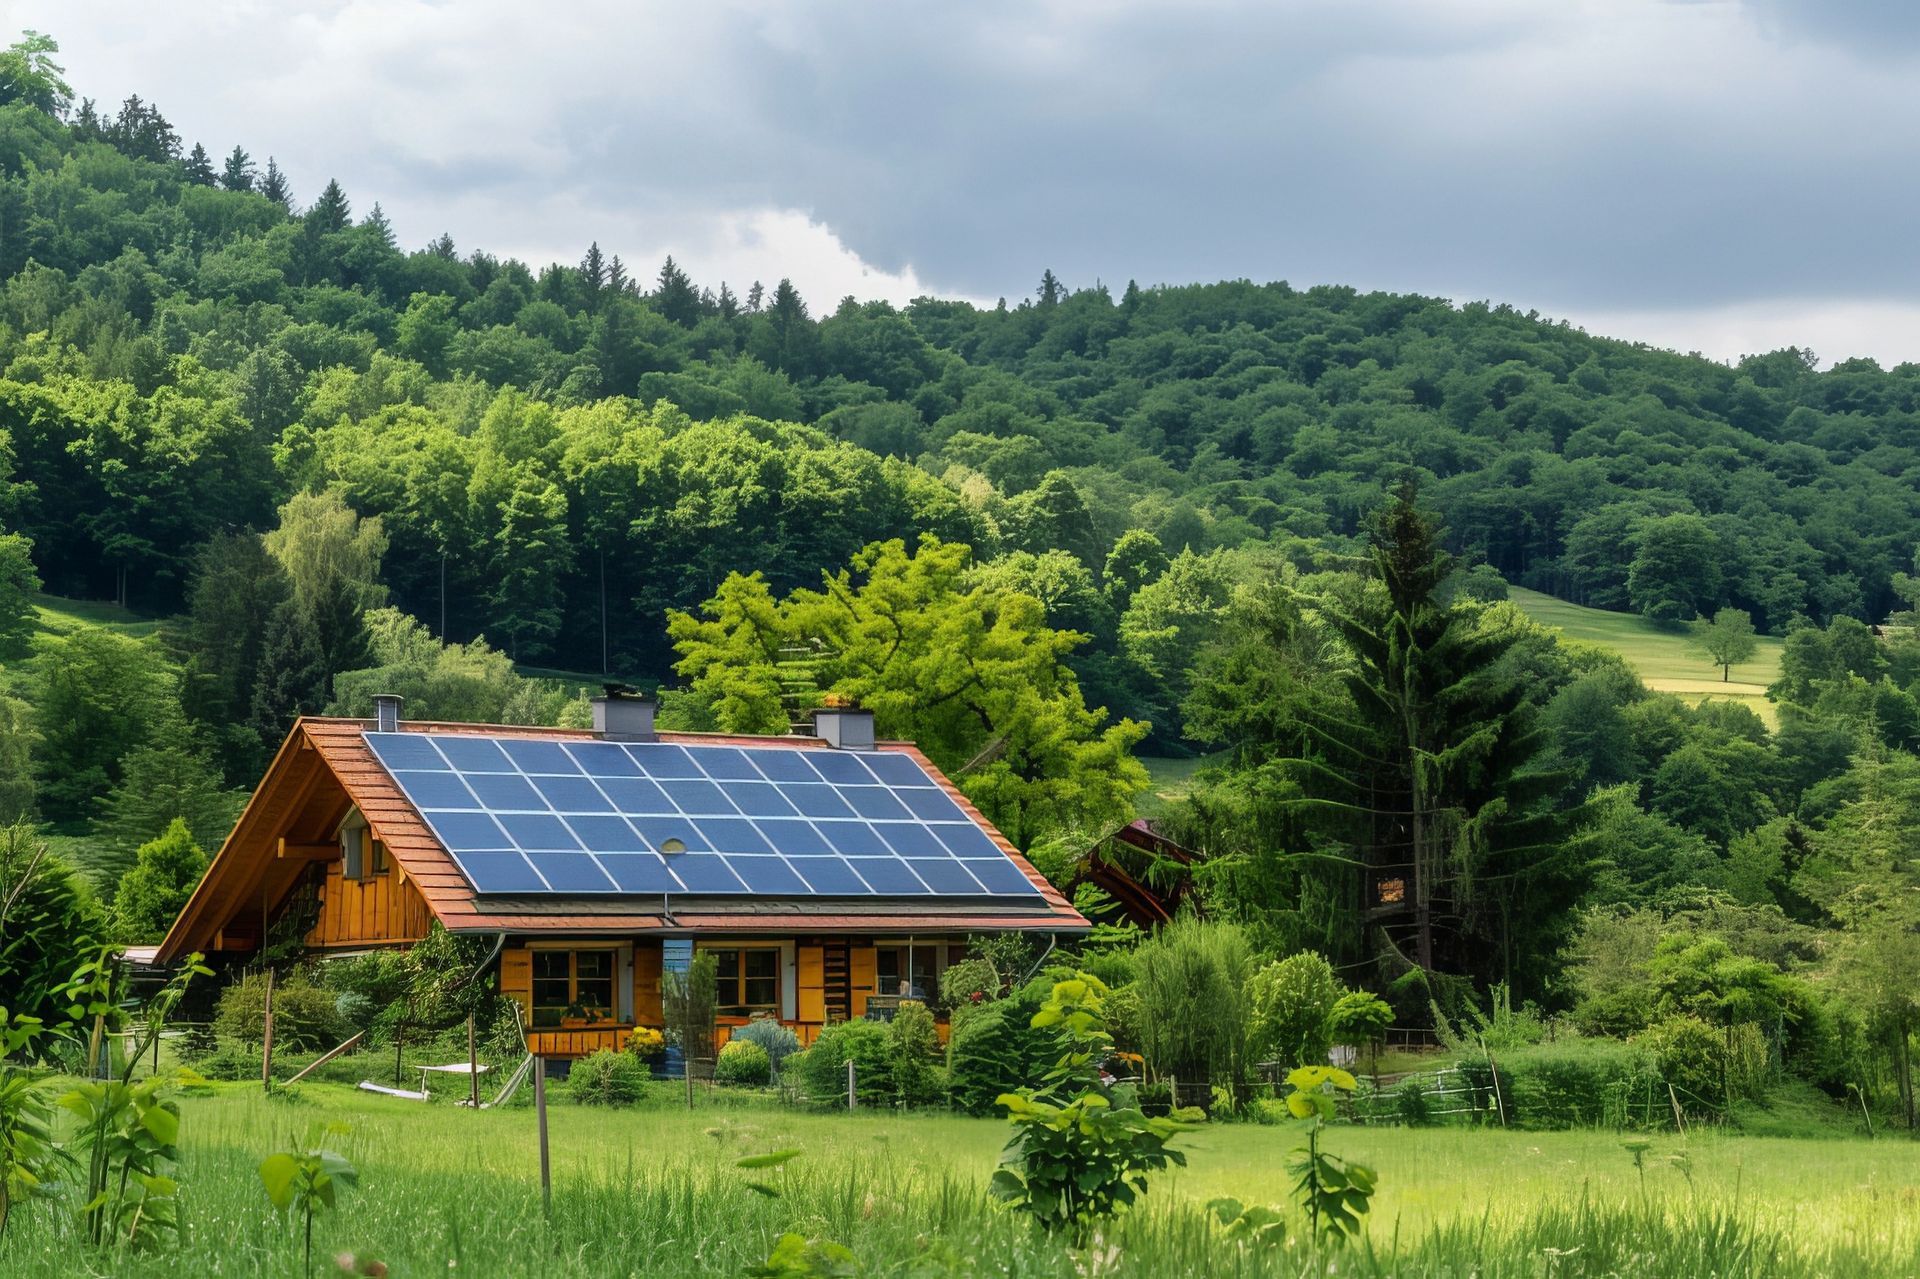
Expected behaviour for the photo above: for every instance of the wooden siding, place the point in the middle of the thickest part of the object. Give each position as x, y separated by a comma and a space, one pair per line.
647, 969
379, 908
866, 970
811, 975
578, 1043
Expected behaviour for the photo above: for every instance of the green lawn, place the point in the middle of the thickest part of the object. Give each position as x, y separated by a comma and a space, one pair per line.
656, 1191
59, 616
1171, 779
1661, 656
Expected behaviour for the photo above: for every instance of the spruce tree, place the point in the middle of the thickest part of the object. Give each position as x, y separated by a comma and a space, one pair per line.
292, 677
199, 166
1432, 774
237, 174
675, 297
619, 283
330, 212
593, 274
275, 187
727, 304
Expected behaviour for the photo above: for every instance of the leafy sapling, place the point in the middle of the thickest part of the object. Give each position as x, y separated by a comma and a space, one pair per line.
308, 1179
1335, 1192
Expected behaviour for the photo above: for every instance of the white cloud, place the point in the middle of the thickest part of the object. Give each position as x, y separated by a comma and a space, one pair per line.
1835, 328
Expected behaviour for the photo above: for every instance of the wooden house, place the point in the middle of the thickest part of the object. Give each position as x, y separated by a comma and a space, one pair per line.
828, 875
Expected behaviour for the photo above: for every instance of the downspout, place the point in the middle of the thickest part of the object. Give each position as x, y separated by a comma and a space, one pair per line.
1053, 939
499, 944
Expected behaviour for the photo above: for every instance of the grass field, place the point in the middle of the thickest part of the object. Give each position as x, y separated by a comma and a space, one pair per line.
1661, 656
656, 1192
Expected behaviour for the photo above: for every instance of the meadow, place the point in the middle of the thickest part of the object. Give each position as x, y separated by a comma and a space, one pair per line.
657, 1191
1660, 655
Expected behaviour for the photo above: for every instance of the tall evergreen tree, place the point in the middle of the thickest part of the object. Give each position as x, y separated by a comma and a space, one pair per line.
727, 304
274, 185
376, 222
237, 174
292, 679
330, 212
443, 248
756, 294
142, 132
674, 295
199, 166
593, 274
235, 590
1433, 776
619, 283
1051, 290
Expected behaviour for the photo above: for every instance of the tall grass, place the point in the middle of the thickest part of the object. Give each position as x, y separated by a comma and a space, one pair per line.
446, 1192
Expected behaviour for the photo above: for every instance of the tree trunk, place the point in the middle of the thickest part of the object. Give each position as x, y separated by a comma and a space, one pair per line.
1903, 1065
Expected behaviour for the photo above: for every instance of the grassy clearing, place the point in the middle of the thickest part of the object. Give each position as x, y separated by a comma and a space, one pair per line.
59, 616
656, 1192
1171, 779
1661, 656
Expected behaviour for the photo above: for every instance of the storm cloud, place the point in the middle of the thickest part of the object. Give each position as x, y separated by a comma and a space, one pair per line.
1716, 176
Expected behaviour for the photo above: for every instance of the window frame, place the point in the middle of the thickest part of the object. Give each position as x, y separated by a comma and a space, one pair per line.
733, 1002
573, 980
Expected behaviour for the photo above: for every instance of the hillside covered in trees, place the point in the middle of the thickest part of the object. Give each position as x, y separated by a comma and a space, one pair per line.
1036, 538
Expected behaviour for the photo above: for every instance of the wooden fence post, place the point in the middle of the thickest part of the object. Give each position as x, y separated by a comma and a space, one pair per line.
850, 1084
473, 1067
266, 1045
540, 1110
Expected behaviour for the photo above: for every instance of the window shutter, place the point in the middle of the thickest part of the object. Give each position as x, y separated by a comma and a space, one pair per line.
353, 842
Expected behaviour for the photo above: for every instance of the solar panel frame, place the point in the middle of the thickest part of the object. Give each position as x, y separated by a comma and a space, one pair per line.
585, 817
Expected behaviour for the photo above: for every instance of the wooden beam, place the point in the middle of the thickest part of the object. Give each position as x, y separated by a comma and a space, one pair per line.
328, 1056
307, 852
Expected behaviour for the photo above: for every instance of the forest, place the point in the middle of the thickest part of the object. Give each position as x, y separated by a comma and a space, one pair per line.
1266, 525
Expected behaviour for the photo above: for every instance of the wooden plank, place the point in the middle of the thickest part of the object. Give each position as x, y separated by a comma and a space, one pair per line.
812, 993
865, 975
288, 848
327, 1056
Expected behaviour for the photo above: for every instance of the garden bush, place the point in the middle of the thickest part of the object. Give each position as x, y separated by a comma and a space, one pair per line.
779, 1041
607, 1078
821, 1071
1193, 1013
1576, 1082
1709, 1067
996, 1050
304, 1015
970, 982
743, 1062
914, 1058
1291, 1003
1411, 1104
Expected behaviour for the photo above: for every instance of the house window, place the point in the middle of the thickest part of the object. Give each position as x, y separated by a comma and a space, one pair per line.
377, 861
910, 972
1393, 891
574, 985
749, 981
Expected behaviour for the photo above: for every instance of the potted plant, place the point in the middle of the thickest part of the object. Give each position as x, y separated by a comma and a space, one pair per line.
574, 1017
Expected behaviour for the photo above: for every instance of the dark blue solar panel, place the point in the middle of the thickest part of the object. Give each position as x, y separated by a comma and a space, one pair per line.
876, 802
635, 795
606, 833
537, 830
533, 815
505, 792
660, 760
603, 759
758, 799
705, 873
895, 769
500, 873
930, 805
572, 795
640, 873
408, 750
945, 875
911, 839
572, 872
733, 835
658, 830
785, 766
817, 800
474, 754
437, 790
769, 875
999, 875
539, 757
794, 836
830, 876
855, 839
840, 768
889, 875
724, 763
695, 798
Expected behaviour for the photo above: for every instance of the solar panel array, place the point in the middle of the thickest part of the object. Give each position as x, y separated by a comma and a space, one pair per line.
532, 815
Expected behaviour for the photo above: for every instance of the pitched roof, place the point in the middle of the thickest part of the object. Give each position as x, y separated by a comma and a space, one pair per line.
339, 748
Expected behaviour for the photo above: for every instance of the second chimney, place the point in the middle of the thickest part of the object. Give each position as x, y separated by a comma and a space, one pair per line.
846, 728
386, 712
622, 717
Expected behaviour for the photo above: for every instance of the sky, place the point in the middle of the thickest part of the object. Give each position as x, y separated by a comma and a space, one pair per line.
1721, 176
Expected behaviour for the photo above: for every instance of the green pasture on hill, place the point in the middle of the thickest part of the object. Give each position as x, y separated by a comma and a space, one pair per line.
1661, 655
657, 1191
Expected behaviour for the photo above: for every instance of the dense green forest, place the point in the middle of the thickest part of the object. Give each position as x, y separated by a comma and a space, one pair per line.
1246, 519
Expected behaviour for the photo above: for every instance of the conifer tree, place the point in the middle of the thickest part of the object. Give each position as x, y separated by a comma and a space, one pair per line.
727, 304
443, 248
1051, 290
755, 295
292, 678
199, 166
619, 283
376, 222
275, 187
237, 174
330, 212
674, 296
593, 274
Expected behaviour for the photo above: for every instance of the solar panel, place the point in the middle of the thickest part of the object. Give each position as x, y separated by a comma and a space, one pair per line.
546, 815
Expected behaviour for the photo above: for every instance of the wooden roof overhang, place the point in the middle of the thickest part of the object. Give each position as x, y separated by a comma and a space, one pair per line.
325, 767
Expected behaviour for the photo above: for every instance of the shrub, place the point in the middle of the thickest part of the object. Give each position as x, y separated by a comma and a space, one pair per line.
53, 925
822, 1069
779, 1041
1122, 1008
1193, 1001
1292, 1009
1574, 1082
1114, 967
1411, 1105
304, 1015
607, 1078
914, 1055
996, 1050
1707, 1066
743, 1062
647, 1044
969, 982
